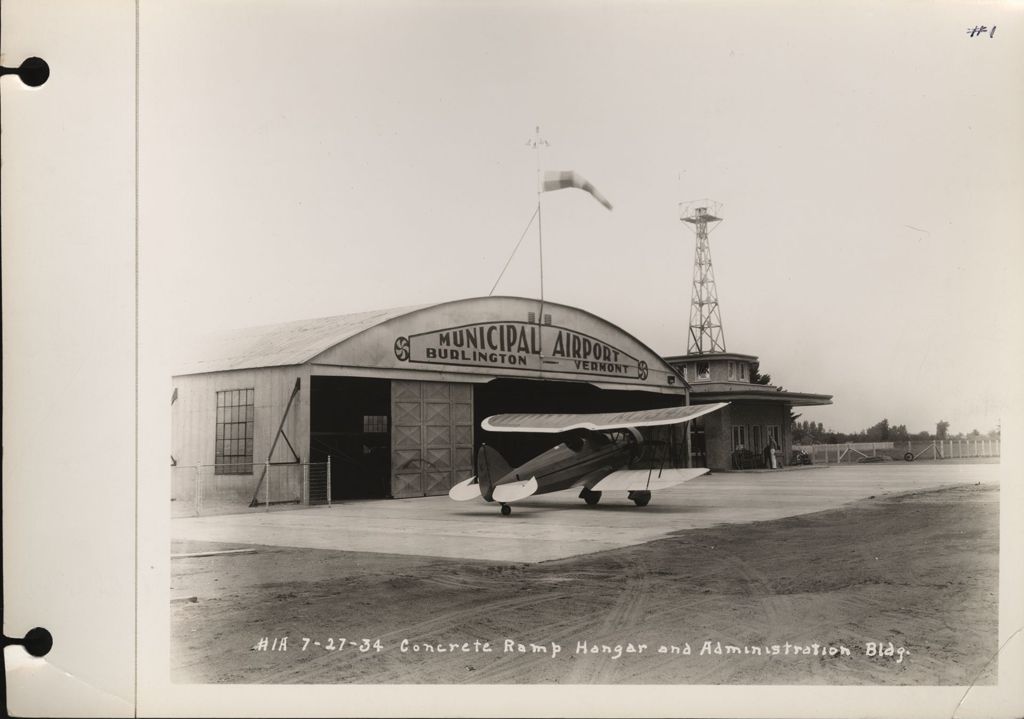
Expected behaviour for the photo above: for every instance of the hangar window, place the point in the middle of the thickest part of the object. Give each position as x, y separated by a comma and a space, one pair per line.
235, 415
375, 423
703, 370
739, 436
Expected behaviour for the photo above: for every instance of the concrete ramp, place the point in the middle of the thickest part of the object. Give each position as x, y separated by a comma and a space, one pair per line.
560, 525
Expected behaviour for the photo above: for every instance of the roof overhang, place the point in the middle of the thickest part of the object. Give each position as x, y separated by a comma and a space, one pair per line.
731, 392
706, 356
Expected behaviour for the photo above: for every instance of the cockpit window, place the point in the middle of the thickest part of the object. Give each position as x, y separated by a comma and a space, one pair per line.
574, 441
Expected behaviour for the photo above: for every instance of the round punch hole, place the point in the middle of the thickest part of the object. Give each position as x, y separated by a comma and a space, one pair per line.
38, 642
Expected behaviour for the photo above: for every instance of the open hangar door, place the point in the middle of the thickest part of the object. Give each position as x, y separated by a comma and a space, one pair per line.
501, 396
349, 421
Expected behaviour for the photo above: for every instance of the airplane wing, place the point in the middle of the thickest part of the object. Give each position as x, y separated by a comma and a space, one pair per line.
514, 491
465, 490
628, 480
553, 423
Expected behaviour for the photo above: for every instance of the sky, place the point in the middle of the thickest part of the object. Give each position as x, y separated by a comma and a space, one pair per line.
307, 159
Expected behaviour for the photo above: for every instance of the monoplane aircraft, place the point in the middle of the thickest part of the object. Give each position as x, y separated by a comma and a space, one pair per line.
597, 455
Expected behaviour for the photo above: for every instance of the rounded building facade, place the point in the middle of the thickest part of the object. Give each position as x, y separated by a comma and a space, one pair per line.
394, 398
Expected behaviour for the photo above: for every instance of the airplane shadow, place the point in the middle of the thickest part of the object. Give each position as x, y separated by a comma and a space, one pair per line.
526, 509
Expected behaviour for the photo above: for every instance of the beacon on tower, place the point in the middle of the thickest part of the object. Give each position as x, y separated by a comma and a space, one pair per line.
706, 335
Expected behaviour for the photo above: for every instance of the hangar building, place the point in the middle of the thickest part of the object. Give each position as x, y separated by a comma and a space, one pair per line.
395, 397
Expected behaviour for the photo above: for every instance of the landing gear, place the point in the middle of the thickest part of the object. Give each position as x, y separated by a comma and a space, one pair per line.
590, 496
640, 498
505, 510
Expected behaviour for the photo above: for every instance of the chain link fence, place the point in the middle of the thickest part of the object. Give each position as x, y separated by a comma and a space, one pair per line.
863, 452
198, 490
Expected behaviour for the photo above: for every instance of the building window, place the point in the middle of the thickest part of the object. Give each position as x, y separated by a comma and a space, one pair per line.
732, 370
234, 432
739, 436
742, 375
755, 438
375, 424
703, 370
775, 434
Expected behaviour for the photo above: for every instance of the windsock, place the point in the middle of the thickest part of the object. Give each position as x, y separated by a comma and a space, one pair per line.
561, 179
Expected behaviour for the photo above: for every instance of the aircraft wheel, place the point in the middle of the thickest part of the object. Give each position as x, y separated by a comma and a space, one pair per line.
590, 496
641, 499
505, 510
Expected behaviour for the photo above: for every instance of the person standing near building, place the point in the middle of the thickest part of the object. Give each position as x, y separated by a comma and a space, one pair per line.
772, 449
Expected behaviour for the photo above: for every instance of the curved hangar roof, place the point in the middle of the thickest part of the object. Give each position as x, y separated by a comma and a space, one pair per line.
478, 339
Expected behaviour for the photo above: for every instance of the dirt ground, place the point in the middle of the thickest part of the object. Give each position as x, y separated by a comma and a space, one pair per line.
802, 600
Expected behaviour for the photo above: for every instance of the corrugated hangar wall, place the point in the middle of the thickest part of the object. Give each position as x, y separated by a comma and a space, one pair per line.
431, 436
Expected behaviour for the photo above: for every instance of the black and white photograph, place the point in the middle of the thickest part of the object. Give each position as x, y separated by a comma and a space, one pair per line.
567, 358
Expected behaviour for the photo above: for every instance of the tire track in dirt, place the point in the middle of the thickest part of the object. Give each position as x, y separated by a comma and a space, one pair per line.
306, 671
567, 630
761, 607
627, 612
781, 613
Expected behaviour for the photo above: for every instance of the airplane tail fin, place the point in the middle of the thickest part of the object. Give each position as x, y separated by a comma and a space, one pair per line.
490, 467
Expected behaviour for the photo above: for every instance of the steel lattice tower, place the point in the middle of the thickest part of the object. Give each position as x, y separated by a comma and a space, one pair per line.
706, 333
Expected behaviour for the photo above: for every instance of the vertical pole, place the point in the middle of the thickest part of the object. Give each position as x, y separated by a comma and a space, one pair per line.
537, 143
199, 489
328, 480
689, 444
304, 489
266, 468
688, 429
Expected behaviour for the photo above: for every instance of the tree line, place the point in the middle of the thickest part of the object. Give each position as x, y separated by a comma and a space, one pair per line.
815, 433
805, 432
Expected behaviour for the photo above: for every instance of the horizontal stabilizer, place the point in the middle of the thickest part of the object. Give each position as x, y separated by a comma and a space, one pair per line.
601, 421
464, 490
633, 480
513, 491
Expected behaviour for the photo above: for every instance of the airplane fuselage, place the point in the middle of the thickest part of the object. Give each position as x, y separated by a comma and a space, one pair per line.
563, 467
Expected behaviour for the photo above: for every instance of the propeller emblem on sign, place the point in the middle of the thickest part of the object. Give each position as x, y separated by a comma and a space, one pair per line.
642, 370
402, 348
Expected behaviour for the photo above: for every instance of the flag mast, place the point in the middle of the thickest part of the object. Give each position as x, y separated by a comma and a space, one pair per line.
537, 143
